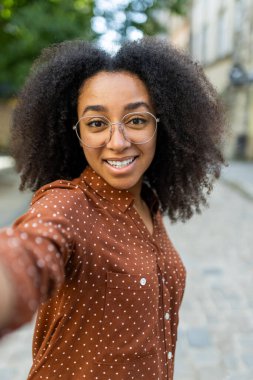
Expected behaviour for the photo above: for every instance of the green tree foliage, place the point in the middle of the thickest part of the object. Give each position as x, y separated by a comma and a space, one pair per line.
27, 26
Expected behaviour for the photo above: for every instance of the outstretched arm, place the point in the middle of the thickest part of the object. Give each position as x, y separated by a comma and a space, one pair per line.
33, 255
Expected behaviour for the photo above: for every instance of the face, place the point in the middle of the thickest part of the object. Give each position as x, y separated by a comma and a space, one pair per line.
112, 95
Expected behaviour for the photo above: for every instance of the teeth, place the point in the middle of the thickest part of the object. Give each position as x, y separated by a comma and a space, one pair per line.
120, 164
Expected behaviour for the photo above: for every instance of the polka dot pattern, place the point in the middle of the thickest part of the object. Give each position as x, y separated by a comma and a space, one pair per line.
108, 291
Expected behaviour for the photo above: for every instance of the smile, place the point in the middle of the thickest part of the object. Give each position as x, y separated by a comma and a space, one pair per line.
120, 164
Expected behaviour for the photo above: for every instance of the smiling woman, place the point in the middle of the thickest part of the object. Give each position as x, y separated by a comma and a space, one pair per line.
121, 156
109, 144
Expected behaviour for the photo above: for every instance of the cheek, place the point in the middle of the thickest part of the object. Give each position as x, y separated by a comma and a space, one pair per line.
90, 155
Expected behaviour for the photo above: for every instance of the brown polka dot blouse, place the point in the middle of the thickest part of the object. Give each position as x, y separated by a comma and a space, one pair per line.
108, 291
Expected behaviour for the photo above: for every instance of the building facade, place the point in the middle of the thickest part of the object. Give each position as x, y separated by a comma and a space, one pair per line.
6, 110
220, 37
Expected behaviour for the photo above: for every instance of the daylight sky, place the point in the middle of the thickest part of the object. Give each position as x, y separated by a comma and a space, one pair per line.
109, 39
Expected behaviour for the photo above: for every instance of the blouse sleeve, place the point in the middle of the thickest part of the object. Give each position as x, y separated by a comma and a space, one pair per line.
34, 251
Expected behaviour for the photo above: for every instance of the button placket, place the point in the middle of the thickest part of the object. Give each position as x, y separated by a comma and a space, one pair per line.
167, 324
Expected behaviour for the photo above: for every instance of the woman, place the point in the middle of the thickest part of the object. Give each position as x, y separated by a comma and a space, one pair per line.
109, 144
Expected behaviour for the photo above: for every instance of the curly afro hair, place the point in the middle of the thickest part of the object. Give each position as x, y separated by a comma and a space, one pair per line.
190, 133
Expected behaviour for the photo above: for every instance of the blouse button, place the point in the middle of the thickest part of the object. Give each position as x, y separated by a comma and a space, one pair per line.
167, 316
143, 281
169, 355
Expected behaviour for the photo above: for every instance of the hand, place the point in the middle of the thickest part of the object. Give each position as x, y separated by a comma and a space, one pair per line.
6, 297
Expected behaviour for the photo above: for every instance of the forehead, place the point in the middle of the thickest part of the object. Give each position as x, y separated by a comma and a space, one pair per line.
108, 88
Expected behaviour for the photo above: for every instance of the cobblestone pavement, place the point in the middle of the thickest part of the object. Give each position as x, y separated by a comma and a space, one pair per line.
216, 320
216, 324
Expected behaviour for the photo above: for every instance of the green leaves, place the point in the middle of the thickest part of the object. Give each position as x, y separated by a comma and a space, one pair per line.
27, 26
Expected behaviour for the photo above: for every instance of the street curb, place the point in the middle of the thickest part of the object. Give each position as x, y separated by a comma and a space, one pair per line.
237, 187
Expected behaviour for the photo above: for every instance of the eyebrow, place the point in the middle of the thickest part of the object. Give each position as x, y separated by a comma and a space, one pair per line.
128, 107
133, 106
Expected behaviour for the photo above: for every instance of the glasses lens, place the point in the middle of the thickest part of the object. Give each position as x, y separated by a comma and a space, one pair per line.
93, 131
139, 127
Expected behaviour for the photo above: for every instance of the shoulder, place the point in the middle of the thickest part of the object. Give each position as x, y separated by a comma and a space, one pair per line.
60, 193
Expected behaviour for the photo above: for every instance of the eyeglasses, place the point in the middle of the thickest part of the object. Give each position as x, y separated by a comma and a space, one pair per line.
96, 131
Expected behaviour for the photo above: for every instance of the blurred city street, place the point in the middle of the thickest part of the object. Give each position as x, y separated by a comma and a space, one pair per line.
216, 321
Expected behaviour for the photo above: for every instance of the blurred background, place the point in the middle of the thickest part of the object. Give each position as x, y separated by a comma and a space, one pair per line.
216, 329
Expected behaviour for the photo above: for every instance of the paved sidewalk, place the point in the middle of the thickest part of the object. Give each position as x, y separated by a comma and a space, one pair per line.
216, 319
13, 203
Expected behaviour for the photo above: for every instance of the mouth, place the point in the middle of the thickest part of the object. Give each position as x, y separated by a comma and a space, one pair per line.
119, 164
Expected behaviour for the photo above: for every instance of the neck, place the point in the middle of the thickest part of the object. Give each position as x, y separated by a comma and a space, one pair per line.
136, 192
139, 203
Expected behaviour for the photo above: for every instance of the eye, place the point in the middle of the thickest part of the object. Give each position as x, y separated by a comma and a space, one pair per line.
137, 120
96, 123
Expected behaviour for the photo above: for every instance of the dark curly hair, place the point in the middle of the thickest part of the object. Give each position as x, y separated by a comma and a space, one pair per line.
190, 133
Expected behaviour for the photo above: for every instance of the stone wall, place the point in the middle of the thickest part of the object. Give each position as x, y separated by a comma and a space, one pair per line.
6, 109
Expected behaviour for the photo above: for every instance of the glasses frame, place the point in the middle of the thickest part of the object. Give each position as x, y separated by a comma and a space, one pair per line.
120, 126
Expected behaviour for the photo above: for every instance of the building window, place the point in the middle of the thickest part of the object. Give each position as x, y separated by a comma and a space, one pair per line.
222, 34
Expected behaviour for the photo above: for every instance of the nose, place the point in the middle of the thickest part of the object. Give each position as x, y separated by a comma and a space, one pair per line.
117, 140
